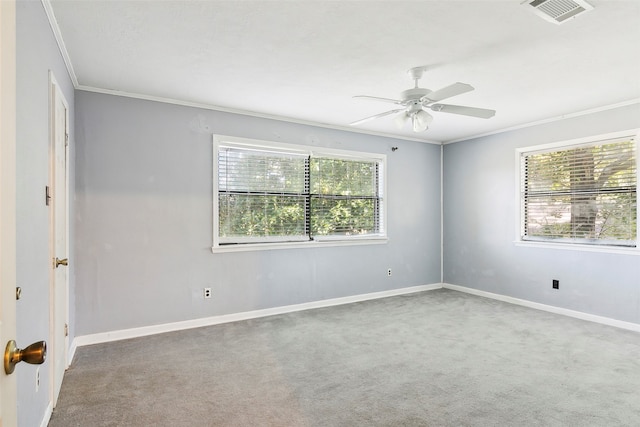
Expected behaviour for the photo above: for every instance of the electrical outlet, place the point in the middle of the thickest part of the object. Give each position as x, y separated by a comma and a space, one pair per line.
555, 283
37, 379
389, 272
207, 293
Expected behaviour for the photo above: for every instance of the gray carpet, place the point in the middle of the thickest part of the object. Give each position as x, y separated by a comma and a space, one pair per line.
436, 358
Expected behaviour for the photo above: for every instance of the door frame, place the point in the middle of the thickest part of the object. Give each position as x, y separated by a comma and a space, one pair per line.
8, 391
55, 95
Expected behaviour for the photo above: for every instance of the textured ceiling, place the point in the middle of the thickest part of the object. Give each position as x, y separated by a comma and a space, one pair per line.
305, 60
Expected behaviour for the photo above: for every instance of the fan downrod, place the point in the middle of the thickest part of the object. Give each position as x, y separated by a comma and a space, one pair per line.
415, 93
416, 73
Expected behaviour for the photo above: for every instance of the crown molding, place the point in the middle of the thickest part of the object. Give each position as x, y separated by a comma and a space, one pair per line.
58, 36
248, 113
549, 120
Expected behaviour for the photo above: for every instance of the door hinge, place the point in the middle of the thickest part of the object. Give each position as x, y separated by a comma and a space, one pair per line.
47, 195
66, 330
66, 139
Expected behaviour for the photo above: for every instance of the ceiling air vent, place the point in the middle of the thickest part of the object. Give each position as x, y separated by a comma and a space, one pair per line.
557, 11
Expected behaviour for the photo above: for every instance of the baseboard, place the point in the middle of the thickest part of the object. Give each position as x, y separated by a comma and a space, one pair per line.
557, 310
72, 352
227, 318
47, 415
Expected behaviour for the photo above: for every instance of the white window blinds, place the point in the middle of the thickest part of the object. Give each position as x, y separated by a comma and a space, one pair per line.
261, 196
265, 195
583, 194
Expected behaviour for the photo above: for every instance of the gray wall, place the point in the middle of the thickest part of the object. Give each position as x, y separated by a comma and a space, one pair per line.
480, 223
37, 53
144, 219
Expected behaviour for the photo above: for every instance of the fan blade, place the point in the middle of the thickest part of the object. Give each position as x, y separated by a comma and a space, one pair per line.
377, 98
448, 92
481, 113
377, 116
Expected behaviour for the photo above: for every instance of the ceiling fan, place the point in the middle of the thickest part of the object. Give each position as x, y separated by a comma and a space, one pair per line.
416, 101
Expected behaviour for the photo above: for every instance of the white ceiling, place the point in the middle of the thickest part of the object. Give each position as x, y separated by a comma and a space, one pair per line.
305, 60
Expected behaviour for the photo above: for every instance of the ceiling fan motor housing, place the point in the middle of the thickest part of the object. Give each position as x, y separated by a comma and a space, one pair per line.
415, 93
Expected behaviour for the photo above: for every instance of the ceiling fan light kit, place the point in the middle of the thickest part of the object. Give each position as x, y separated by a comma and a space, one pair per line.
420, 119
416, 101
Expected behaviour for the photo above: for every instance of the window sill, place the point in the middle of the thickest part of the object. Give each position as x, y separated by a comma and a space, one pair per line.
297, 245
579, 247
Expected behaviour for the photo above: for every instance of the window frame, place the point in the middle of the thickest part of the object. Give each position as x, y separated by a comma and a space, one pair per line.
313, 151
567, 145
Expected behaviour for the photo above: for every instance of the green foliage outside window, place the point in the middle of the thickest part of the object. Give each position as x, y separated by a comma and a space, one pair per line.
343, 197
257, 215
294, 197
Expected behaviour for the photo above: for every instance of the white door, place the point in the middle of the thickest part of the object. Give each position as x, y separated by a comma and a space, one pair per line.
8, 399
58, 205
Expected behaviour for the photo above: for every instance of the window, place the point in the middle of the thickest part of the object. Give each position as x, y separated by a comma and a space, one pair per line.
268, 192
582, 193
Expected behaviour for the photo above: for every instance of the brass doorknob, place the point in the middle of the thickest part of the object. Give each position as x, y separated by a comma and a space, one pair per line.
35, 354
59, 262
